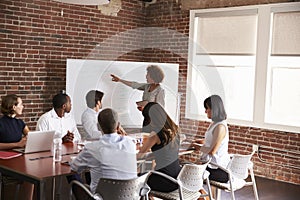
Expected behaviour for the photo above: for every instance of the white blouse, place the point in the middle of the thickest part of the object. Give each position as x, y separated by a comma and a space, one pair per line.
221, 157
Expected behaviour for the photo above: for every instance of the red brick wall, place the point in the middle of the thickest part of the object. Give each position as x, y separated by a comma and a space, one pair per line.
36, 41
279, 152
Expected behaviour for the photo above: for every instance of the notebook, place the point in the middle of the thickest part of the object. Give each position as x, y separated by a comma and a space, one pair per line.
9, 154
37, 141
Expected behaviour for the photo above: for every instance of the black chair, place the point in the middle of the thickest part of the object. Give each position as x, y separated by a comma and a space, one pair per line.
79, 191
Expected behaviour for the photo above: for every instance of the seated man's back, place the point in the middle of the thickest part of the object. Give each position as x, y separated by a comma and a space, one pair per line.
112, 156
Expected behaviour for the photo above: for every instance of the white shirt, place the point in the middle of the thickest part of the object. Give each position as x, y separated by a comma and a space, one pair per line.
89, 120
221, 157
51, 121
112, 156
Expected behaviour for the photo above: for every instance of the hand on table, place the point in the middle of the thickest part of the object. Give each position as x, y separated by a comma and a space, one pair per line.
22, 142
68, 138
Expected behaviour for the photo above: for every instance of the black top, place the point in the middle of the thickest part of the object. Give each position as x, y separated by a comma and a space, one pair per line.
11, 129
166, 156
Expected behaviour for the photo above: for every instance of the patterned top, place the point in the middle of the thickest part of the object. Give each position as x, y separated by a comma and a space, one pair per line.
157, 95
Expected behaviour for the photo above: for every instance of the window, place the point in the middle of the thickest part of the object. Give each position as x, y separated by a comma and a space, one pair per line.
250, 56
283, 85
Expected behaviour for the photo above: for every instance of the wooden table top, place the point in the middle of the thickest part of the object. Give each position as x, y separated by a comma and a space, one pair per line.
40, 165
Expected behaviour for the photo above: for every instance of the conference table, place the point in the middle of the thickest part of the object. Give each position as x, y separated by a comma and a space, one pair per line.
36, 168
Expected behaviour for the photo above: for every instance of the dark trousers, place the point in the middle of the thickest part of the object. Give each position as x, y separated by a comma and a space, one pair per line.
218, 175
78, 178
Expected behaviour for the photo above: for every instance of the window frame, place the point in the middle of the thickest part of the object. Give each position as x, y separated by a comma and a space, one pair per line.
263, 48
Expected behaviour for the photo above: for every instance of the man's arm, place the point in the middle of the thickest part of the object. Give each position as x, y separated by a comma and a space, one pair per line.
86, 159
74, 130
80, 163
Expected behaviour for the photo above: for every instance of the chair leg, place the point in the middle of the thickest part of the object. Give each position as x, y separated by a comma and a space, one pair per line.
218, 194
215, 193
231, 187
209, 189
71, 193
254, 184
1, 185
232, 195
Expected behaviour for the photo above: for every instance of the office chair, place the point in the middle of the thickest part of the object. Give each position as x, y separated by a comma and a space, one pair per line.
190, 182
132, 189
79, 191
238, 170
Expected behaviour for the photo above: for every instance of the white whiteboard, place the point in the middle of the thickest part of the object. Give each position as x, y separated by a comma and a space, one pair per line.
85, 75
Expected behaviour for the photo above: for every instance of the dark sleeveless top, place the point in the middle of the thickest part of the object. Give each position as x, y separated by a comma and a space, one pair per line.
11, 129
166, 156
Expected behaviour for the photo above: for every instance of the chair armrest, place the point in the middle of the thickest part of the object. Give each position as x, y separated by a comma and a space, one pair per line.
83, 187
165, 176
87, 186
250, 165
222, 168
97, 196
145, 190
205, 175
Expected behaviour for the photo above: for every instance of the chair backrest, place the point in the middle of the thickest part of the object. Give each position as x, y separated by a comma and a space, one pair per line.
238, 165
114, 189
80, 192
191, 176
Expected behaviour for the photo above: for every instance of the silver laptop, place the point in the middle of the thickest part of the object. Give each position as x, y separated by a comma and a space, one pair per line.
37, 141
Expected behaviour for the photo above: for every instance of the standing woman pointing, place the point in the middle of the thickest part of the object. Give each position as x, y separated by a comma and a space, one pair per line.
153, 92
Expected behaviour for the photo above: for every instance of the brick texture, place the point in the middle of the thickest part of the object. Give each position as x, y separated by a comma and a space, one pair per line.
36, 39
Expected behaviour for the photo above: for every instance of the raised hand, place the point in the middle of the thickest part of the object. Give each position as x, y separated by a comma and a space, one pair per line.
115, 78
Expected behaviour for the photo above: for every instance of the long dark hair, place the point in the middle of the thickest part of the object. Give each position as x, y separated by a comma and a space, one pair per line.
216, 105
156, 119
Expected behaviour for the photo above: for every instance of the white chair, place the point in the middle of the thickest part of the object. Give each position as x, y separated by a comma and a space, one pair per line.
133, 189
112, 189
238, 170
190, 182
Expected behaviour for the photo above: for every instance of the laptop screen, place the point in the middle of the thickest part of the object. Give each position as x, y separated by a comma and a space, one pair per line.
38, 141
